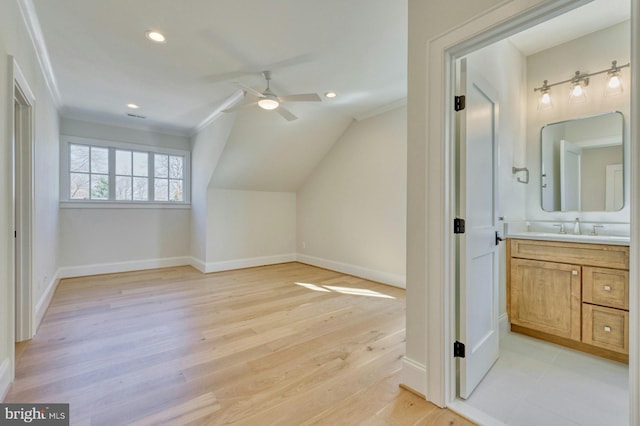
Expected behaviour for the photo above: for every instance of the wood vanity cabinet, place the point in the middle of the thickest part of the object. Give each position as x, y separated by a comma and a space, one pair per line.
573, 294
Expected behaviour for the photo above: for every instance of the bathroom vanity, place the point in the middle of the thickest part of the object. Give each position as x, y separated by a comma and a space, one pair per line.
571, 293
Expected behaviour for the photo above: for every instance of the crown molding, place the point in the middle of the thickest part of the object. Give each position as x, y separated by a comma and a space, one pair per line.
226, 104
382, 109
30, 17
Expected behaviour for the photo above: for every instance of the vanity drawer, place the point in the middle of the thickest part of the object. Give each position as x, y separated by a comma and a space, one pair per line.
605, 327
606, 287
606, 256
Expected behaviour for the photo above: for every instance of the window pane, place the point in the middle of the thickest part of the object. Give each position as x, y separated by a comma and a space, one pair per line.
161, 189
175, 167
123, 188
140, 189
99, 160
99, 187
161, 165
140, 164
79, 185
123, 163
78, 158
175, 190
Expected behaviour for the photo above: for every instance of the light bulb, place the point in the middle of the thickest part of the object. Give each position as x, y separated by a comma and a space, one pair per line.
577, 91
545, 99
614, 82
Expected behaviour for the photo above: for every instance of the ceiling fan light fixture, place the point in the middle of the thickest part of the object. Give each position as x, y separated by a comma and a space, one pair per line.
269, 103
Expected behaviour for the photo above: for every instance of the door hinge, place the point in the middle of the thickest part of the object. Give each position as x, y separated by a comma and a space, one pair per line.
15, 234
458, 350
459, 103
458, 226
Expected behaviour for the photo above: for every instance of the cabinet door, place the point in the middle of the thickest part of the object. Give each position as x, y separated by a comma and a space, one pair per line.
546, 296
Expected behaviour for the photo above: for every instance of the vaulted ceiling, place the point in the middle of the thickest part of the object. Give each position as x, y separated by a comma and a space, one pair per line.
102, 60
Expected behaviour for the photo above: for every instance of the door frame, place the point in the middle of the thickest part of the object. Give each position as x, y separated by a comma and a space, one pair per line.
501, 21
22, 206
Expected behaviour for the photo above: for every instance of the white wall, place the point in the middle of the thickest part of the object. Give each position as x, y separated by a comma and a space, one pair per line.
99, 240
352, 209
249, 228
503, 67
427, 20
206, 148
15, 41
590, 53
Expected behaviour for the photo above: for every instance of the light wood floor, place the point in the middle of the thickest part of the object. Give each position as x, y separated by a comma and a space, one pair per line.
286, 344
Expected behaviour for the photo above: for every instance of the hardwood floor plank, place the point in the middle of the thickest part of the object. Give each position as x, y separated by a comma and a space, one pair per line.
283, 344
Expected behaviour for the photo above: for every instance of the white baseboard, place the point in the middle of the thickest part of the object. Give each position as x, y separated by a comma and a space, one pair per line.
45, 300
227, 265
503, 323
5, 379
132, 265
358, 271
198, 264
414, 375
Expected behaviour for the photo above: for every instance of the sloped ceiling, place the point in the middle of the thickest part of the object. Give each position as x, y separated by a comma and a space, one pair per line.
102, 61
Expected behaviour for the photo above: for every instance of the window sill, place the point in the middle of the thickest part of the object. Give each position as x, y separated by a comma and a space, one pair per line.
121, 205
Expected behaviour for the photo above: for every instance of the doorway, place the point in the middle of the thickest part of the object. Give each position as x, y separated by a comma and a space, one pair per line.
524, 354
22, 196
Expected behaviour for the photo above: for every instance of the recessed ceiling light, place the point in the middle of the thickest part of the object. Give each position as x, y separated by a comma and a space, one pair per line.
133, 106
330, 95
155, 36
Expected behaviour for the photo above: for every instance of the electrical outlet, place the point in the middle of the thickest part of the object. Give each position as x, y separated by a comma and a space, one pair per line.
304, 244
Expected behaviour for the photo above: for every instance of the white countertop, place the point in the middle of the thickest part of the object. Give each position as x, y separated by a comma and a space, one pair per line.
573, 238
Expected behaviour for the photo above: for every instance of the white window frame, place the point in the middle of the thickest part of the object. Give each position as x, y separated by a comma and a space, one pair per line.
66, 202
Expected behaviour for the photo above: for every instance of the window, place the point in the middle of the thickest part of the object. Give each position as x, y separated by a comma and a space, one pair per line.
104, 171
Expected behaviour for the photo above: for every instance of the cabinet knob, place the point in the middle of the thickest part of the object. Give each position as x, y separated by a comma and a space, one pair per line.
607, 288
607, 329
574, 272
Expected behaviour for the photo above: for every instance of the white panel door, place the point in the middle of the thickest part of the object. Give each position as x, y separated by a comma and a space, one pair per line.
614, 189
478, 254
570, 183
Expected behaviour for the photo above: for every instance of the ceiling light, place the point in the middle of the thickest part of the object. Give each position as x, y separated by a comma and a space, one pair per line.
155, 36
269, 102
330, 95
133, 106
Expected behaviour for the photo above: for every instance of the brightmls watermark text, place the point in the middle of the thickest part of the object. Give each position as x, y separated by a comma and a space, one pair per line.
34, 414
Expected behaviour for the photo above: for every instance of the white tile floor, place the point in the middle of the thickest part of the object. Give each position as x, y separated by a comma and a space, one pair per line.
538, 383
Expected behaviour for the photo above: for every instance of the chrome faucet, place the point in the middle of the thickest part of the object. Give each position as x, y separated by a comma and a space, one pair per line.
561, 225
593, 232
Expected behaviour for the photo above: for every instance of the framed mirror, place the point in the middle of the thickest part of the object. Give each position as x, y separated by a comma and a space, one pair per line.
582, 164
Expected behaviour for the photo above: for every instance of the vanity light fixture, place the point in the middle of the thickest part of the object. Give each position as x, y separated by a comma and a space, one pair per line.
544, 102
578, 83
614, 83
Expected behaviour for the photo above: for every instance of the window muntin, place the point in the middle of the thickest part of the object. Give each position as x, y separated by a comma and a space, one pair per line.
89, 172
124, 173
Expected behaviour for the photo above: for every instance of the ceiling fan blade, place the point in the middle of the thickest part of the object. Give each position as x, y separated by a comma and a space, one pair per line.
226, 76
303, 97
240, 106
286, 113
248, 89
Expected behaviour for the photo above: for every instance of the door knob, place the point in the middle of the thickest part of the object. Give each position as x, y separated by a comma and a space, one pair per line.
498, 238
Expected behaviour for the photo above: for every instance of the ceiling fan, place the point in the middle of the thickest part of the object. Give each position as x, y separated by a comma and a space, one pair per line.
270, 101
